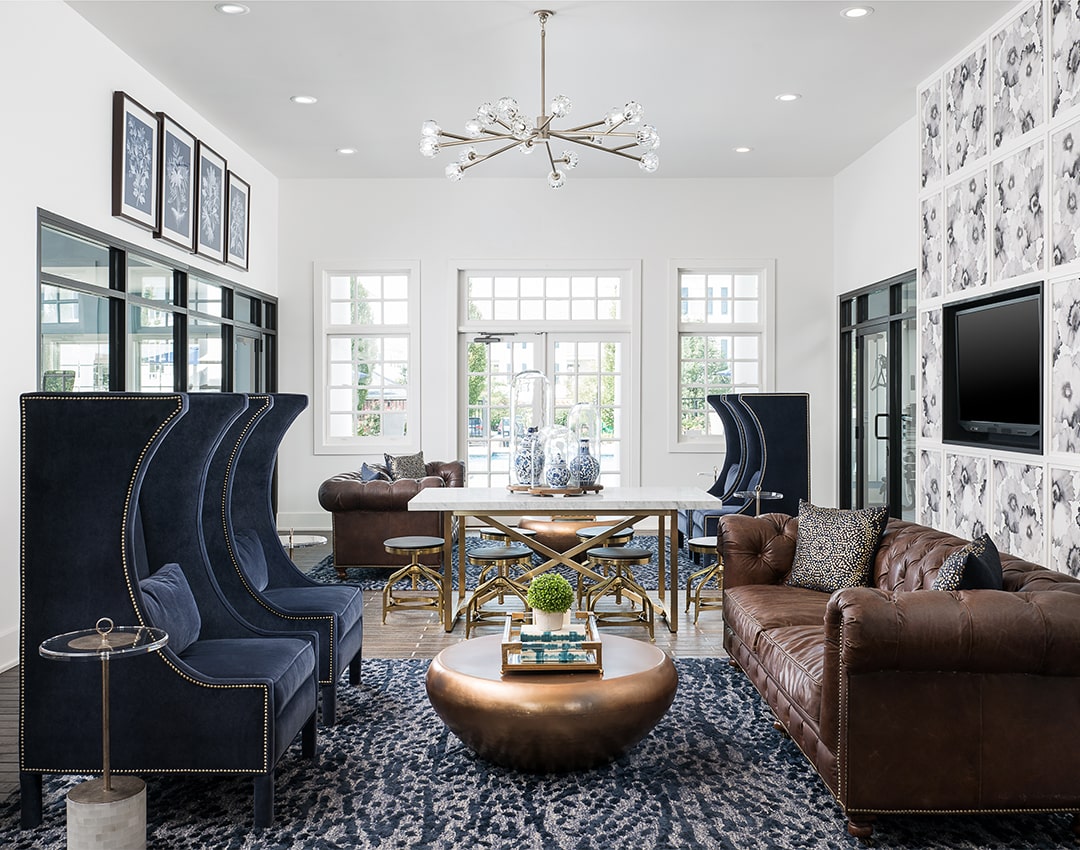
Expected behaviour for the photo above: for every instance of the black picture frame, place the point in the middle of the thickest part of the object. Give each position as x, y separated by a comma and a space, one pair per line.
176, 184
238, 222
135, 162
210, 209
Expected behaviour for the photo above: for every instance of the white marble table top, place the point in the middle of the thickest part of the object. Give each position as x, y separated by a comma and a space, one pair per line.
609, 500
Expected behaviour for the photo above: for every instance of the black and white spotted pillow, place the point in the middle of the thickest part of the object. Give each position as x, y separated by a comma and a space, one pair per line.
835, 548
976, 566
406, 466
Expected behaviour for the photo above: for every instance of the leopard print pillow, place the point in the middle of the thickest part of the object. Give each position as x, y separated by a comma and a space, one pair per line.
406, 466
835, 548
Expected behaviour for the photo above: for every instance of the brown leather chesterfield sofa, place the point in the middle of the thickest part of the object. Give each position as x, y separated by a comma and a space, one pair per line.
366, 513
906, 699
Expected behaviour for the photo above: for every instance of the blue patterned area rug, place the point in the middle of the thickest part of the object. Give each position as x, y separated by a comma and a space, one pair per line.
712, 774
372, 578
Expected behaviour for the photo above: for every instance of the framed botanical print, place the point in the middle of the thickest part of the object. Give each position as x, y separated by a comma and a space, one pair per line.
176, 192
210, 223
238, 227
135, 151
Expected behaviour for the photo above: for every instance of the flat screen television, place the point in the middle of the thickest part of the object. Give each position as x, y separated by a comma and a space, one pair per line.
998, 351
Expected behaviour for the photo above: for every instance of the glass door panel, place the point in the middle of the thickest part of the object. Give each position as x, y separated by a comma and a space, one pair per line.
246, 363
873, 385
907, 420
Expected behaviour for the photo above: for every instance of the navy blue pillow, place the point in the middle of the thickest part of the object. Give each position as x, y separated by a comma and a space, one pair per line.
373, 473
976, 566
249, 552
171, 606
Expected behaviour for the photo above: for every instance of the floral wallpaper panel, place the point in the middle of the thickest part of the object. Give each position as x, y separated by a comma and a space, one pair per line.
965, 111
930, 110
1065, 367
1064, 193
966, 494
965, 235
930, 488
1017, 523
932, 253
1019, 74
1019, 223
1065, 521
930, 373
1065, 55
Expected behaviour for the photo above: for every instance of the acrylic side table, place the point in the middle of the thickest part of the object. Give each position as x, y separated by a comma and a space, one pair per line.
109, 812
757, 496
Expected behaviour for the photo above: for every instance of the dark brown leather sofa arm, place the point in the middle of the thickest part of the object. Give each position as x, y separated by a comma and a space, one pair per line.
971, 631
757, 550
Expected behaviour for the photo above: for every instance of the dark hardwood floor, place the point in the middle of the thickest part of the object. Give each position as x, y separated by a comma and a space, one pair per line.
410, 634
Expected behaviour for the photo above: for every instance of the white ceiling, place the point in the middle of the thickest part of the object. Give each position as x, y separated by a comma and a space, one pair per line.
706, 72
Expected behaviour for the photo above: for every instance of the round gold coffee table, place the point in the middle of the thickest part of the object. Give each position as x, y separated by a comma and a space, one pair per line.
551, 722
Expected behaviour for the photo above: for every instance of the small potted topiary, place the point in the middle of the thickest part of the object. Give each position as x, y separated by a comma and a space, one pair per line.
550, 596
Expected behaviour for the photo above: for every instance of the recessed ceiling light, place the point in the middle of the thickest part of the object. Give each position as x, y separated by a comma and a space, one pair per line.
857, 11
305, 99
232, 8
787, 97
742, 149
346, 151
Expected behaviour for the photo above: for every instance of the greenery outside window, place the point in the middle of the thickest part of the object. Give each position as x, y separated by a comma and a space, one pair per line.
724, 341
367, 355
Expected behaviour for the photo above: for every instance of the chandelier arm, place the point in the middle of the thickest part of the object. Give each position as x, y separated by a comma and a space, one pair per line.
582, 142
488, 156
605, 135
472, 141
584, 127
551, 157
454, 136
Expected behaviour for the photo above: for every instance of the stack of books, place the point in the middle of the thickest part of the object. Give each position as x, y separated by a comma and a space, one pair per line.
563, 646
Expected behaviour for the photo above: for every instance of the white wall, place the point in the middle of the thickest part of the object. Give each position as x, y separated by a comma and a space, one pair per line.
55, 152
875, 203
644, 218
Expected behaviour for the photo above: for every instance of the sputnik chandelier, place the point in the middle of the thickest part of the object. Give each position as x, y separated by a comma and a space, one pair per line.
504, 122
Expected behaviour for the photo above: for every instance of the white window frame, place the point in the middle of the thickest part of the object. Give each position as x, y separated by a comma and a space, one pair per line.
629, 324
764, 328
324, 330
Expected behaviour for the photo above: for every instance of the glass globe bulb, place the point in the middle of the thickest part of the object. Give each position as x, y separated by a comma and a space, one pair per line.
507, 107
561, 106
467, 154
633, 112
556, 179
454, 172
613, 118
429, 146
648, 137
526, 147
430, 128
486, 114
570, 159
473, 128
649, 162
519, 128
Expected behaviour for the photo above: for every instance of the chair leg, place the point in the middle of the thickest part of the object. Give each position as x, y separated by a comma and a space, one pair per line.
30, 790
354, 670
308, 741
328, 695
264, 799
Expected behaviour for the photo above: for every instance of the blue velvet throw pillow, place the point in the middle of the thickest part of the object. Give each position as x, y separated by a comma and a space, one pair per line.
373, 473
976, 566
249, 552
170, 606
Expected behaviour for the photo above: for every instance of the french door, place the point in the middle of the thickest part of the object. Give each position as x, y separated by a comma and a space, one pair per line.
580, 367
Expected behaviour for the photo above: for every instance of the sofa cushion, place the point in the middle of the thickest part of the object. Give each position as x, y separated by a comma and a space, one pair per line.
373, 472
171, 606
406, 466
976, 566
287, 662
252, 559
794, 657
835, 548
751, 609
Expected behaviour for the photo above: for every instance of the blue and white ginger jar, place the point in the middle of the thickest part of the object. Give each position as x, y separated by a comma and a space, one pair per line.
584, 467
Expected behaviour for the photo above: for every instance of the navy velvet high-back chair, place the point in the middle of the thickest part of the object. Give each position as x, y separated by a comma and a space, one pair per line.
250, 564
783, 419
727, 481
112, 489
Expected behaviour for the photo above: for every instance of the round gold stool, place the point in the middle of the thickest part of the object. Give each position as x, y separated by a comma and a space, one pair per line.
617, 562
697, 581
499, 536
500, 559
619, 538
413, 546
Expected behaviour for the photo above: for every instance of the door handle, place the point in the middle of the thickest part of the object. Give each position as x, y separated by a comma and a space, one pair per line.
877, 418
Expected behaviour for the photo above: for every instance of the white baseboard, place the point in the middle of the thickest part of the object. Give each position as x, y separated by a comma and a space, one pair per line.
315, 522
9, 649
